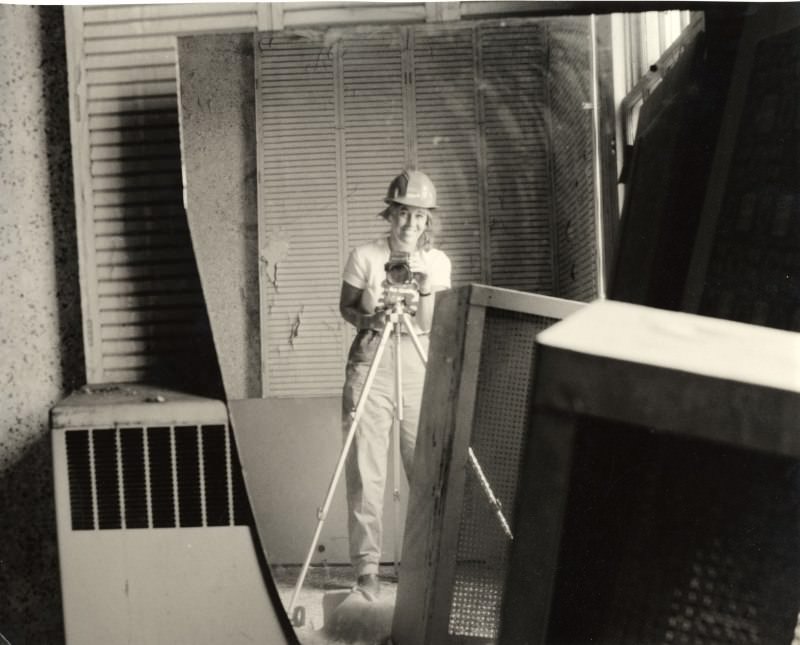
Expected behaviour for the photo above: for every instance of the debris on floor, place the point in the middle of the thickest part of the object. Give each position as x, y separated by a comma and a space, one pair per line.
334, 615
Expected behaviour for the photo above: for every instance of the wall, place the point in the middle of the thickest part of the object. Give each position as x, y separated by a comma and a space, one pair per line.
40, 333
218, 151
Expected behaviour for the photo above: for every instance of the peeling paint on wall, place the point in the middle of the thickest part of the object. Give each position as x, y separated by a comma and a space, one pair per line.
274, 251
294, 332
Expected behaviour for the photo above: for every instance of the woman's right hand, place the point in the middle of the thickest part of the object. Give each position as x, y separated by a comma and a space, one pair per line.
375, 321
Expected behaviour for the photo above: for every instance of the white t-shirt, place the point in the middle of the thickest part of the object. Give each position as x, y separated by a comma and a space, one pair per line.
365, 270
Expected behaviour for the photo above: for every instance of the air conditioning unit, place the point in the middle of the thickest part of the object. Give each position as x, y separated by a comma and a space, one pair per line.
153, 521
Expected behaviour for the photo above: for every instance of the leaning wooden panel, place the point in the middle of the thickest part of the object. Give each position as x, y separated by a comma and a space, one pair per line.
476, 396
217, 119
660, 499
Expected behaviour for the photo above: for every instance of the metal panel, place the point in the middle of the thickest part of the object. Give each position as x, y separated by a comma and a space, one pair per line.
663, 504
132, 466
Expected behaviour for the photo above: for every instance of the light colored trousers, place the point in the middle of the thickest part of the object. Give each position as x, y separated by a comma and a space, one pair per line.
366, 465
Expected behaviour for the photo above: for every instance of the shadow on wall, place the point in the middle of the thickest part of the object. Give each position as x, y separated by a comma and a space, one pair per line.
61, 195
30, 595
30, 600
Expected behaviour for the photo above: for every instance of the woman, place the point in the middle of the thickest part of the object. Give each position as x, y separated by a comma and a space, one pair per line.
411, 198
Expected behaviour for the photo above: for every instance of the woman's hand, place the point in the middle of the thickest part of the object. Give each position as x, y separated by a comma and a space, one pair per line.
376, 321
350, 309
420, 271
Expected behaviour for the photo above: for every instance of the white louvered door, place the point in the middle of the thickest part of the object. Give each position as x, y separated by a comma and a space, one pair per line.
374, 129
375, 123
517, 177
447, 142
341, 117
300, 201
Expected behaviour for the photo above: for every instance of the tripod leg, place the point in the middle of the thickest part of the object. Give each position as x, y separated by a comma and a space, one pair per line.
414, 339
322, 513
397, 426
473, 460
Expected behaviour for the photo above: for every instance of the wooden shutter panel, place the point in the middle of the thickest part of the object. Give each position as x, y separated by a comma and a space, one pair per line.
446, 138
373, 134
143, 308
374, 129
517, 175
299, 193
569, 90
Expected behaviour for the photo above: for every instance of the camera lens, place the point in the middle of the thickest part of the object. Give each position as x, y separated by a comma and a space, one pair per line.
399, 273
398, 269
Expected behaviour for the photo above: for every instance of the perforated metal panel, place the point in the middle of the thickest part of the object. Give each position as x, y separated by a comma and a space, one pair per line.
659, 501
673, 540
502, 402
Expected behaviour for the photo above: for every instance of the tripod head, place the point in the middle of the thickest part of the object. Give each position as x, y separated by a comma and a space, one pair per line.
400, 287
398, 299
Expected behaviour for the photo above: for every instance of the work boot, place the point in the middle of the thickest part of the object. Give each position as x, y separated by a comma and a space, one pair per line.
369, 585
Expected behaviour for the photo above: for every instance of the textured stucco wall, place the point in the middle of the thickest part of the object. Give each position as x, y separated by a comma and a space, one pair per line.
40, 336
217, 100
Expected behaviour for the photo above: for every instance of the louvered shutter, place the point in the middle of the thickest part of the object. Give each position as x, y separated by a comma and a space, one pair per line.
446, 139
569, 91
143, 308
374, 132
300, 216
340, 119
374, 129
513, 104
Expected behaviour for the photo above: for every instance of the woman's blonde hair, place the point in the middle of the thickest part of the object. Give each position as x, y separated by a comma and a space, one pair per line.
425, 241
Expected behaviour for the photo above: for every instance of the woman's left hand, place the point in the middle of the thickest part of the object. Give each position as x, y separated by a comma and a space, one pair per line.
420, 271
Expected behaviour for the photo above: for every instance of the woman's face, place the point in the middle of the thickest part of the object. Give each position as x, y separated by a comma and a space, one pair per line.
408, 223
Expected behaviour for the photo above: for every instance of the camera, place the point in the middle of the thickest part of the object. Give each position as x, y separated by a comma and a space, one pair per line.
400, 285
398, 269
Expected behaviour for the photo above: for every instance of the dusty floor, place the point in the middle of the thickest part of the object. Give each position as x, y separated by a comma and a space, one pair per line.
335, 580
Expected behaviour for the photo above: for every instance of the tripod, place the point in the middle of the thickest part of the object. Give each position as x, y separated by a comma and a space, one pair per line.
396, 318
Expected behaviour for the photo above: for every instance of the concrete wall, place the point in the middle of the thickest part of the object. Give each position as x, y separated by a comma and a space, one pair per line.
40, 334
218, 151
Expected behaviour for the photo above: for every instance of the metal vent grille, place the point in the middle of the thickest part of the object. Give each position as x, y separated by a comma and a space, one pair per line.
154, 477
501, 407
